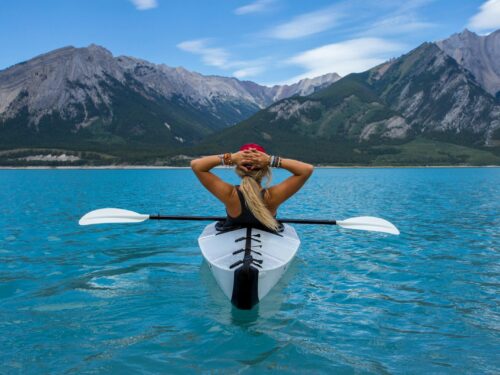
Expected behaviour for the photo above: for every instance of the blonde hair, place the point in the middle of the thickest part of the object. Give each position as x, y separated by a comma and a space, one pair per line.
251, 191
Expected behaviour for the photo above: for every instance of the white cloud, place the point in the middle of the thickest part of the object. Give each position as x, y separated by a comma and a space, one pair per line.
346, 57
213, 56
411, 5
306, 24
251, 71
220, 58
255, 7
145, 4
488, 17
390, 17
397, 24
400, 17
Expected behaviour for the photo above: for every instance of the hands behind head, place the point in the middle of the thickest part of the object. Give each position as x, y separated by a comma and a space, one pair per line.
251, 159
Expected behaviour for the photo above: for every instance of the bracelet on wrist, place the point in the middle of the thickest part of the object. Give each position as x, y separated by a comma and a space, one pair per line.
274, 161
227, 159
221, 157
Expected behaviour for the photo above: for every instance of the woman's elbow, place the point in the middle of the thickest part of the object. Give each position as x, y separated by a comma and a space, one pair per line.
194, 164
309, 169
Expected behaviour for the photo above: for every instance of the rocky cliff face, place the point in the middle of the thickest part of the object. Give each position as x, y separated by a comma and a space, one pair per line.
57, 81
71, 89
478, 54
437, 96
423, 94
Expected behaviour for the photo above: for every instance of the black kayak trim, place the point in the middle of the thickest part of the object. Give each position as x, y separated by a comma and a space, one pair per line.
246, 278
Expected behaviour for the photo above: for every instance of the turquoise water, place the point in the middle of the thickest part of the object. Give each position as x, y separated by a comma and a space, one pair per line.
137, 298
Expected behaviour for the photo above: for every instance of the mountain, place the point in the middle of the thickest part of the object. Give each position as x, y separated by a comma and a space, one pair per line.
478, 54
84, 106
422, 98
304, 87
87, 99
438, 97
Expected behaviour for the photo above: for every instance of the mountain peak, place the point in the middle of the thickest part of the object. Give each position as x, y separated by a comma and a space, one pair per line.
466, 31
63, 51
305, 86
323, 78
478, 54
95, 48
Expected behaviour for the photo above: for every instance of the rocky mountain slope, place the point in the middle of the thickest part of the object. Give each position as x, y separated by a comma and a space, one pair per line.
424, 94
437, 97
80, 106
478, 54
85, 98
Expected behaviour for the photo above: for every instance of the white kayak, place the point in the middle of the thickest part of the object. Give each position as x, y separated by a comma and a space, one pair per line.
248, 262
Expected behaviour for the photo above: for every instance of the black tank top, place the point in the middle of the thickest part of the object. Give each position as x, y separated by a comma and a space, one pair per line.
246, 217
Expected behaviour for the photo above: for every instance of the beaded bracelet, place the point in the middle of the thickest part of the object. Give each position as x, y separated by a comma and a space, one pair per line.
275, 161
227, 159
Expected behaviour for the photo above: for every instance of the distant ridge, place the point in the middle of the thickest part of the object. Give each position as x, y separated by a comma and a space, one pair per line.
84, 98
80, 106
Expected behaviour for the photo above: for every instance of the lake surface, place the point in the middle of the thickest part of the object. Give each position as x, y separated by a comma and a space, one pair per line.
137, 298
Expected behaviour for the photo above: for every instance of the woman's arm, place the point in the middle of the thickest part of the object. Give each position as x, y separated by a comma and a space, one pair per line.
201, 168
284, 190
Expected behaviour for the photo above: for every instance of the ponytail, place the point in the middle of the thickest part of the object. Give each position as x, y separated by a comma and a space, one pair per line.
253, 198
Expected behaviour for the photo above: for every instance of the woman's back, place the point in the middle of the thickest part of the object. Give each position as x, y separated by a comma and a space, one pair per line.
249, 201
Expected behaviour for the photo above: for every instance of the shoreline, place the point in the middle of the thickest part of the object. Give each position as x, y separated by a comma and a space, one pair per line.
132, 167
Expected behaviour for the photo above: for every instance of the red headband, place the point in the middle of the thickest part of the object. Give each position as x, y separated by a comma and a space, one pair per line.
252, 145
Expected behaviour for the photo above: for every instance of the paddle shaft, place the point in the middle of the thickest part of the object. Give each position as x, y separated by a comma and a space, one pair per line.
118, 215
219, 218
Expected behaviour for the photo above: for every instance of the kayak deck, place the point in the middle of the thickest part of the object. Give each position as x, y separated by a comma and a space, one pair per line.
248, 262
276, 249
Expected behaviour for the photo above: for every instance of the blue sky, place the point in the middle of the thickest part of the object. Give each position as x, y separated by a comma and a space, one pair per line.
266, 41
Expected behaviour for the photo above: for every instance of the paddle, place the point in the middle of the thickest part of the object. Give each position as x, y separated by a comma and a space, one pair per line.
117, 215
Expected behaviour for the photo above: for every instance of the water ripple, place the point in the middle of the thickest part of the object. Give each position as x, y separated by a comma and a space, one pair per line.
139, 299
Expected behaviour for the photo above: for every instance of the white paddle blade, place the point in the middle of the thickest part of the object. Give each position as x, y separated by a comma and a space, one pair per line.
111, 215
370, 223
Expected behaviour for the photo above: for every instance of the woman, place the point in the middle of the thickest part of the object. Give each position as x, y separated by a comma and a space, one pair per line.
249, 203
